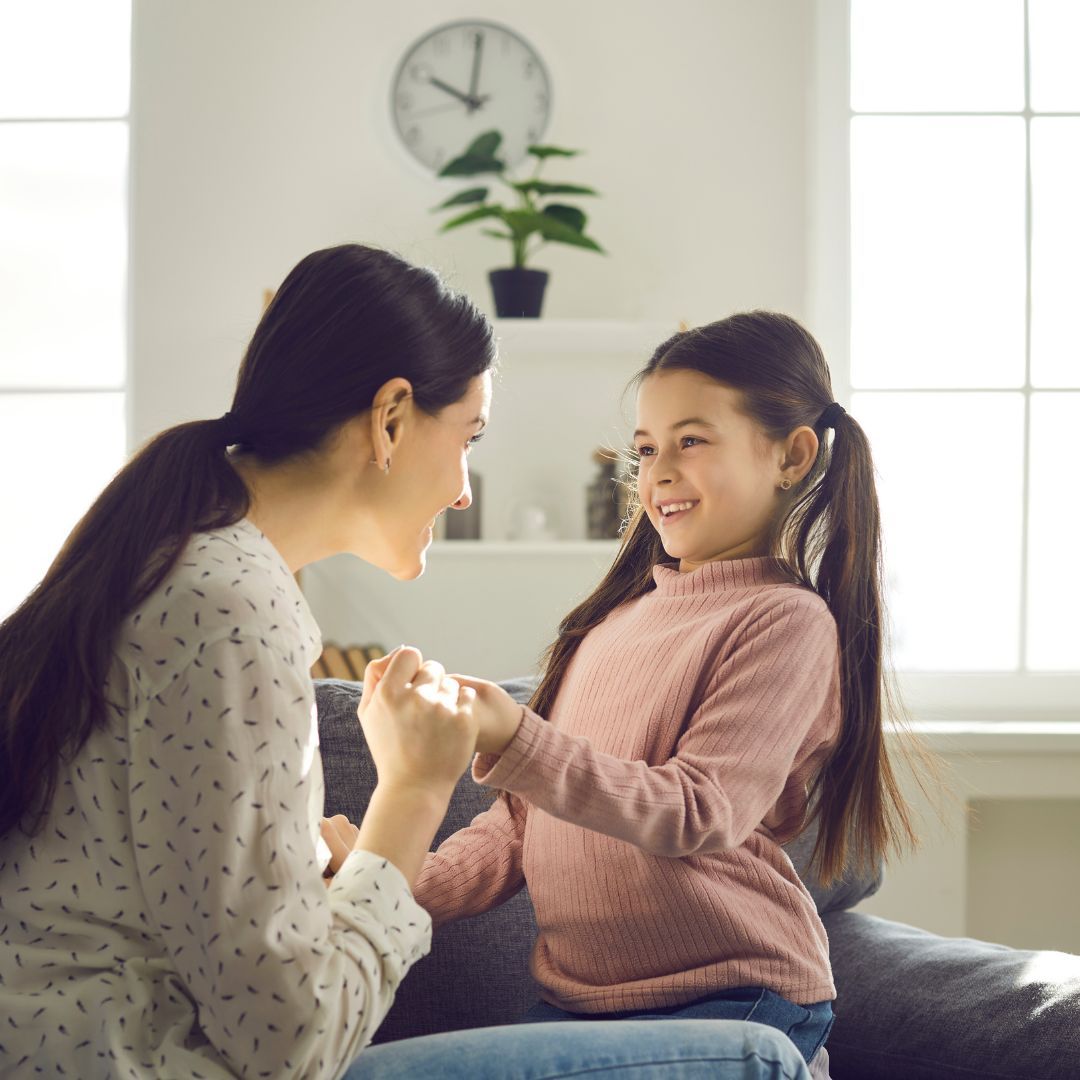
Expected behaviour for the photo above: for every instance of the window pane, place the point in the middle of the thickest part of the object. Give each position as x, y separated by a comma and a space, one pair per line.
954, 587
63, 260
59, 451
937, 56
68, 58
1053, 589
1053, 34
938, 295
1055, 240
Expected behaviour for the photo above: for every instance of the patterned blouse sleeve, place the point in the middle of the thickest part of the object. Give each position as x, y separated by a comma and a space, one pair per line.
290, 978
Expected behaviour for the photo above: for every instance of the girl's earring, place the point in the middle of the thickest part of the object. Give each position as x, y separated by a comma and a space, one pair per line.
785, 484
385, 468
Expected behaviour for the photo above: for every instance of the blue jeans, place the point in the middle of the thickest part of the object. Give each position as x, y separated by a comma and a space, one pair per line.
807, 1026
606, 1050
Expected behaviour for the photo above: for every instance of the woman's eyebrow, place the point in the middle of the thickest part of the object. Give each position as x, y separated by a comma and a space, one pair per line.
692, 420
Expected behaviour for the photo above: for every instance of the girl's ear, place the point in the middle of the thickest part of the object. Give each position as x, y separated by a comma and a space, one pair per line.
389, 418
800, 453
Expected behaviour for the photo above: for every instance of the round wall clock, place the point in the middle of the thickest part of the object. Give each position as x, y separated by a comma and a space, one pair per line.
465, 78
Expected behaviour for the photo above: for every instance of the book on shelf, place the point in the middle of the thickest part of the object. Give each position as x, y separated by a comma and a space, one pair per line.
345, 662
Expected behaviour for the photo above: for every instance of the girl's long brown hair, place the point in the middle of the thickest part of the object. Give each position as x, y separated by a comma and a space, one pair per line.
345, 321
828, 538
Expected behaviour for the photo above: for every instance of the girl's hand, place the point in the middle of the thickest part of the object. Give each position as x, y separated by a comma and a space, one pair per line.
498, 715
340, 835
419, 724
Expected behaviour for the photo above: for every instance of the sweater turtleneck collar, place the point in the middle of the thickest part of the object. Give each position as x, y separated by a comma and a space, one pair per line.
724, 575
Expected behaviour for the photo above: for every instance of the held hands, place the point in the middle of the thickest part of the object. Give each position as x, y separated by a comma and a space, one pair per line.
419, 724
498, 715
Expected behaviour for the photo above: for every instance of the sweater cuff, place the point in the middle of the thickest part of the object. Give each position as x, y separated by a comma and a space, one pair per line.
500, 770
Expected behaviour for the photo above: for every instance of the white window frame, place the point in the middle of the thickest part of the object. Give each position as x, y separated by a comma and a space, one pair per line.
951, 696
123, 387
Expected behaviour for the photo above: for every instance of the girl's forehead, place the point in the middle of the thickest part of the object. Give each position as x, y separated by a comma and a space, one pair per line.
665, 391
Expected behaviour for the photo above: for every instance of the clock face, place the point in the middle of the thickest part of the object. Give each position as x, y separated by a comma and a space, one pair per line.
466, 78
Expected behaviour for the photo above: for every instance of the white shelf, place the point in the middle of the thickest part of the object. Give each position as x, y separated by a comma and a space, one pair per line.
577, 336
548, 549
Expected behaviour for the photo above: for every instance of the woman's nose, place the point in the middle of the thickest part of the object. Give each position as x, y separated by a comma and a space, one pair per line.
464, 500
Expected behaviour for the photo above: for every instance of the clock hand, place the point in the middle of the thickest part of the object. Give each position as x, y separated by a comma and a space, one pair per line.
443, 108
450, 90
478, 47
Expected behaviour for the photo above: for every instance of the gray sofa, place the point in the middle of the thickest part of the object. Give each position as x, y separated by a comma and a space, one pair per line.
910, 1005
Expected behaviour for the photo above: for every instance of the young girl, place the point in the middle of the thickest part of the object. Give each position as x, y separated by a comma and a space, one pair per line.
719, 689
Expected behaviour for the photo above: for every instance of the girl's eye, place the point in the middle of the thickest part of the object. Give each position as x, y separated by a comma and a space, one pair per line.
474, 440
644, 451
691, 440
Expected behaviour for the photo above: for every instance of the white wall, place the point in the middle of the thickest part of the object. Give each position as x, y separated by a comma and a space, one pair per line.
261, 132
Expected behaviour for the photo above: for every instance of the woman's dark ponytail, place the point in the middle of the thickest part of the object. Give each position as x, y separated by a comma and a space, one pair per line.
345, 321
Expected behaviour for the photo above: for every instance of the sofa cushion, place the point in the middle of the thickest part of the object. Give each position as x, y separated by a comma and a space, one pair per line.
915, 1006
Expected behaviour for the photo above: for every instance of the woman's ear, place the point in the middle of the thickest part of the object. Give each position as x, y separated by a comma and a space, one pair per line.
390, 411
800, 453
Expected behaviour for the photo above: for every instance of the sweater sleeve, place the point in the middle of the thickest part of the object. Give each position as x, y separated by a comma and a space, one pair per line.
477, 868
771, 702
290, 978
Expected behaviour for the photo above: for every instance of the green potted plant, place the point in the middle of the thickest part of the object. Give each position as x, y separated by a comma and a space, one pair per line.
518, 290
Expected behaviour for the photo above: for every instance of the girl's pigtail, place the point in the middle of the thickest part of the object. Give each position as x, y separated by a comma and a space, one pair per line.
837, 546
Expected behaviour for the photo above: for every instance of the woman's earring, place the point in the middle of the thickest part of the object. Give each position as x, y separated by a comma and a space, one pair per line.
785, 484
385, 468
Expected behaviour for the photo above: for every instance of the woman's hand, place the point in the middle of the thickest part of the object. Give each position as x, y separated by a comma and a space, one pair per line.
419, 724
498, 715
340, 835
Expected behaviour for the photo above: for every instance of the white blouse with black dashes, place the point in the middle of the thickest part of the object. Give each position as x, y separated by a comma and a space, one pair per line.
170, 919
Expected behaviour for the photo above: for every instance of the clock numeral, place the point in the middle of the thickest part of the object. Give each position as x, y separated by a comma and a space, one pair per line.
419, 73
441, 46
541, 101
412, 135
404, 102
533, 135
437, 161
530, 69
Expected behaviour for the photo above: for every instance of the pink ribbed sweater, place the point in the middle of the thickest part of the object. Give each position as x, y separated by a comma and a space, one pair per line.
648, 811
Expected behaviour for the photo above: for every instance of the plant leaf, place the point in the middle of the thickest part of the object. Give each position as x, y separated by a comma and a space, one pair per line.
498, 235
471, 165
568, 215
484, 146
523, 223
462, 198
543, 187
558, 231
479, 157
551, 151
473, 215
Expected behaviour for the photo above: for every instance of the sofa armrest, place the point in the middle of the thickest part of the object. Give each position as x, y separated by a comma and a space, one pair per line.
913, 1006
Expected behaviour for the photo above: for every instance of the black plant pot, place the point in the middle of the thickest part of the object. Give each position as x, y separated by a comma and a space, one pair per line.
519, 293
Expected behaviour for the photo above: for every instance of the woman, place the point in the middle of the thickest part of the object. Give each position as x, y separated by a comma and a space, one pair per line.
169, 904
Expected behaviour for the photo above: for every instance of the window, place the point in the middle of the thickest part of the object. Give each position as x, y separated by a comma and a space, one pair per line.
963, 143
64, 101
